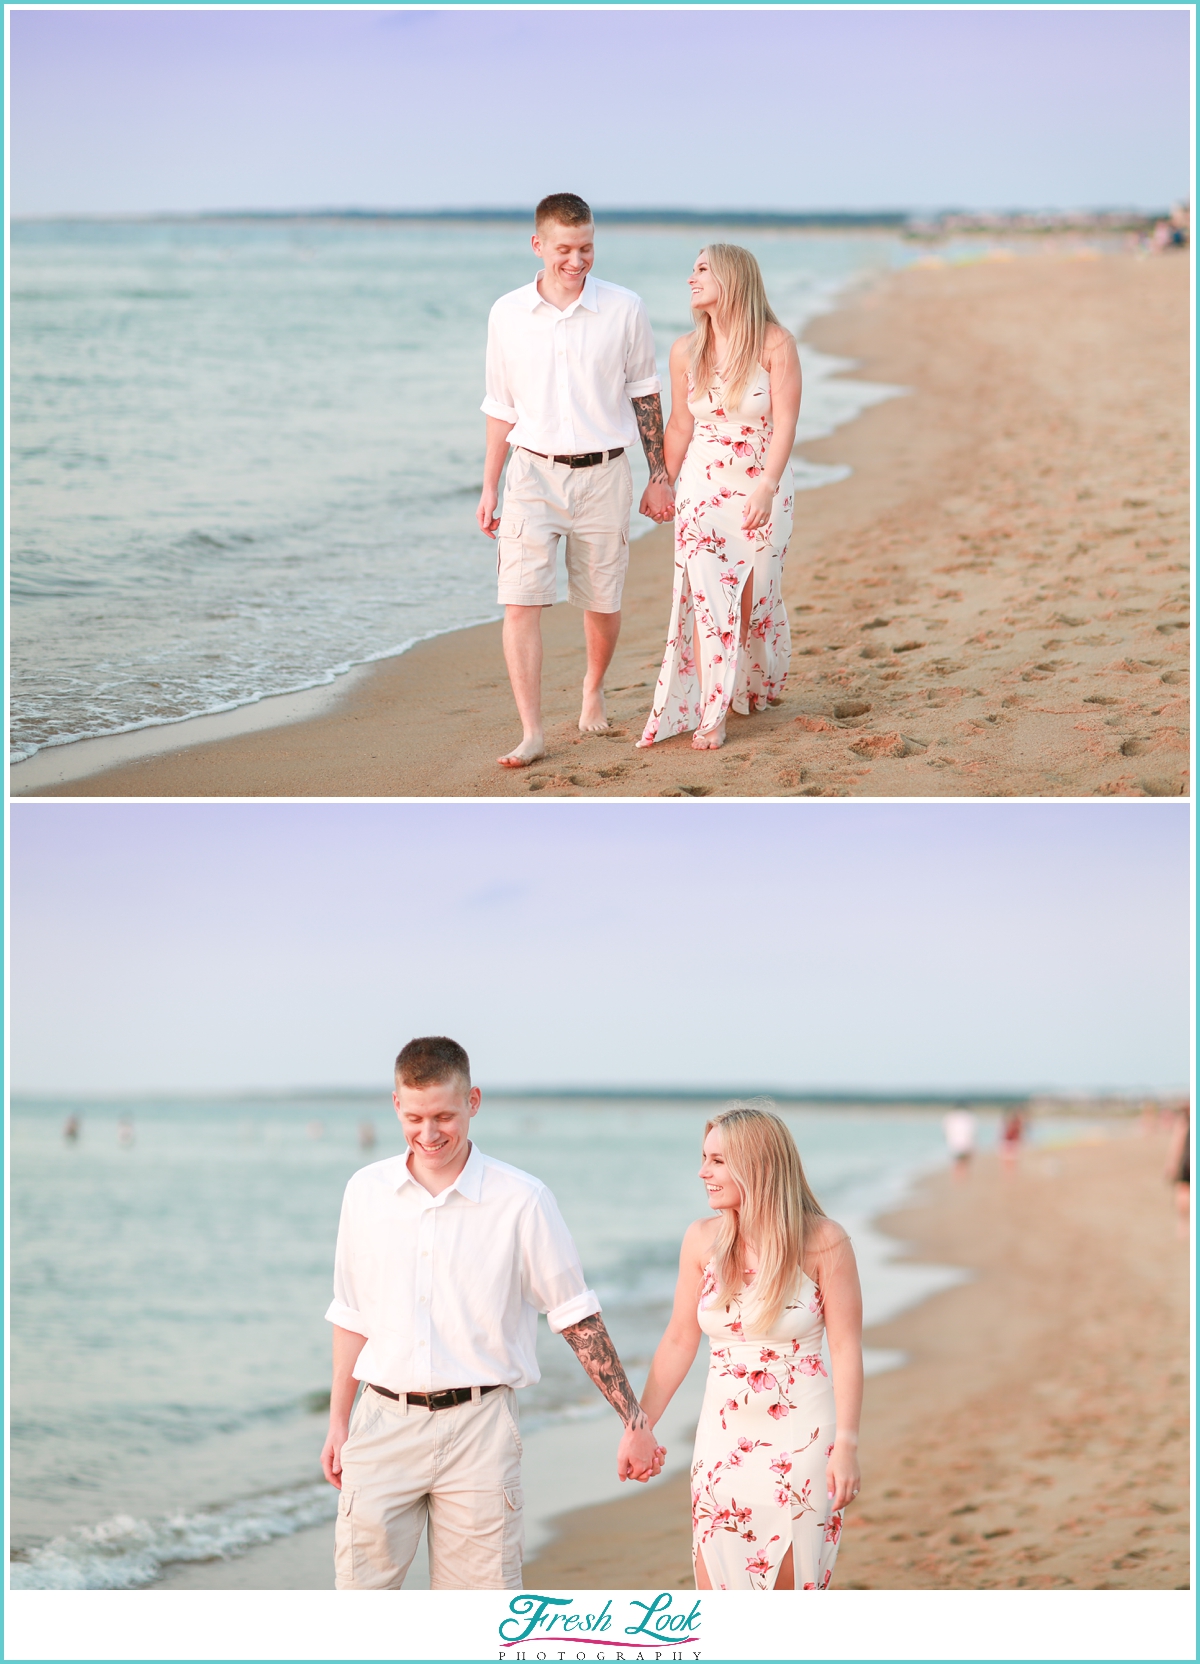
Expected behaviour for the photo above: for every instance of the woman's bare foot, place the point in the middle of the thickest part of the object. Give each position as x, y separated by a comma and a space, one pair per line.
530, 749
593, 719
712, 741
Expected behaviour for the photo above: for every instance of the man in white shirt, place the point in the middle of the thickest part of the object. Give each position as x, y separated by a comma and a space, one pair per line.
444, 1259
571, 380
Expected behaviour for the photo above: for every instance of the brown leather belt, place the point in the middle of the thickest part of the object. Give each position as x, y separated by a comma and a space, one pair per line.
445, 1400
586, 459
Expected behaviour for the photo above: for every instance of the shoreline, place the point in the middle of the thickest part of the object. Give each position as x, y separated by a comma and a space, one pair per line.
992, 603
1056, 1380
59, 764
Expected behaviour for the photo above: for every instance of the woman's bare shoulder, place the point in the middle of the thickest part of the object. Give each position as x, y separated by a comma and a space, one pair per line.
681, 348
779, 340
698, 1239
823, 1236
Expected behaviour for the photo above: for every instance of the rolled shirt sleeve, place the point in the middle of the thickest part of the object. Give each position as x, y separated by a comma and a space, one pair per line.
343, 1308
499, 397
641, 369
551, 1271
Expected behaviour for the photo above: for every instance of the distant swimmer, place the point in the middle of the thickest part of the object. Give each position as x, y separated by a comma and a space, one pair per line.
71, 1129
1011, 1134
125, 1131
1179, 1168
366, 1135
958, 1128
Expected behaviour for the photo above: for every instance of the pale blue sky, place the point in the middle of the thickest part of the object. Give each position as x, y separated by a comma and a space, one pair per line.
146, 109
728, 945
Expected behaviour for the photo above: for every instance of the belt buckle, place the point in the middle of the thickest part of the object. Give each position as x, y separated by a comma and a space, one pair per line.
444, 1400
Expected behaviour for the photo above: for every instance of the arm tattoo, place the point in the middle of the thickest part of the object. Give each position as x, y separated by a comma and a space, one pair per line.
591, 1344
650, 426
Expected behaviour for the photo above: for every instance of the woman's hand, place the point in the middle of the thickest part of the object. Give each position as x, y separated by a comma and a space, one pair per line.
639, 1455
757, 511
842, 1479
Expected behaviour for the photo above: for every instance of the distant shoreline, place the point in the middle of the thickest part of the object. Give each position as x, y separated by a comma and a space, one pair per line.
1035, 1104
919, 225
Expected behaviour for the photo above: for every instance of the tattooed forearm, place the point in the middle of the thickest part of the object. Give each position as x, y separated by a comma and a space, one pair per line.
650, 427
591, 1344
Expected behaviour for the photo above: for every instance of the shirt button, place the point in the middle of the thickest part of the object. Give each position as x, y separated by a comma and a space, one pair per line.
424, 1253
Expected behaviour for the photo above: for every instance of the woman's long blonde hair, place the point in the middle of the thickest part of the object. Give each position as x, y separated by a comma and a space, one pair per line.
777, 1211
744, 313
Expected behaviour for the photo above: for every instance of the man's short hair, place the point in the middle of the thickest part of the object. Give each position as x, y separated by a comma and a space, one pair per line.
562, 208
431, 1061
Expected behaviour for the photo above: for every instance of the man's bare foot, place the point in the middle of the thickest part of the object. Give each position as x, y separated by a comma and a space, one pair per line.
712, 741
529, 750
593, 719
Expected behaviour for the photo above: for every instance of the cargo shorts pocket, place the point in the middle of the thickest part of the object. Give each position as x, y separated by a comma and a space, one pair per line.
343, 1541
508, 546
513, 1551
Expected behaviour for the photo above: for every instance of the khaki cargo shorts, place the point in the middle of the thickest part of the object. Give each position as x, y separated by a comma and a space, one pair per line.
545, 500
458, 1469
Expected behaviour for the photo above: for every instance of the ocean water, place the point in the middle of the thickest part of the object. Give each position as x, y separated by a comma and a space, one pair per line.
246, 456
170, 1358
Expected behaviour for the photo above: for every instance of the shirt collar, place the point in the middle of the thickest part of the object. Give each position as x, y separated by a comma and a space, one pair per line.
589, 298
469, 1182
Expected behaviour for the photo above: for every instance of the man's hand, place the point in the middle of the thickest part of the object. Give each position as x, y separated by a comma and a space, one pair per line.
658, 501
486, 512
331, 1455
639, 1456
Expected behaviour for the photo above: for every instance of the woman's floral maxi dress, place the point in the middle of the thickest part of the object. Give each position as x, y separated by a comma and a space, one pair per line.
766, 1430
714, 555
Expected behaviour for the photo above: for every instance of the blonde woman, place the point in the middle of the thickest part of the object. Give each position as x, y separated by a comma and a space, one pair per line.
776, 1457
735, 399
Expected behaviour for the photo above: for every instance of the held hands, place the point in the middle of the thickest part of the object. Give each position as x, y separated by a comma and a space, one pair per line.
757, 511
639, 1456
489, 520
842, 1479
658, 502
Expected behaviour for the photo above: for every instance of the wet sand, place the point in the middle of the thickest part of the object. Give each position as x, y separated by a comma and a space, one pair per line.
994, 603
1038, 1436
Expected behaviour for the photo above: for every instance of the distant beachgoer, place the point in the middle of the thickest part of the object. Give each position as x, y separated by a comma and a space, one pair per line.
1011, 1134
444, 1259
125, 1130
71, 1128
315, 1129
571, 383
1179, 1168
366, 1135
776, 1457
735, 399
958, 1128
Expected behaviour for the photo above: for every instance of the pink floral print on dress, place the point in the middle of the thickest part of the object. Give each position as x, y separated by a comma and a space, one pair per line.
765, 1432
714, 556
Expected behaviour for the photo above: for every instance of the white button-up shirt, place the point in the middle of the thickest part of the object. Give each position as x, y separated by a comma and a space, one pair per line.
446, 1289
566, 378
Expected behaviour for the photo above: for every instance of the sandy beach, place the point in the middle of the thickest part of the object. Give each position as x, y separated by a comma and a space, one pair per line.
1037, 1437
994, 603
